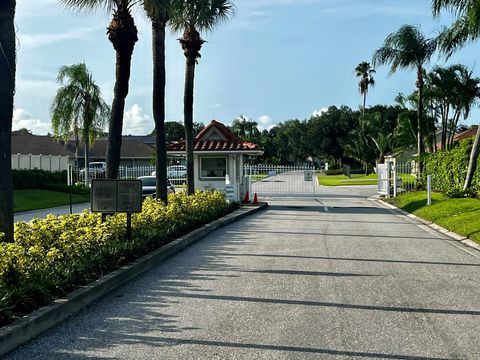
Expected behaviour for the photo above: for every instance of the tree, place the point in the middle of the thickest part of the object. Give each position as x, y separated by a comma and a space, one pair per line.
78, 108
174, 131
158, 13
245, 128
7, 92
365, 72
465, 29
191, 17
123, 35
408, 48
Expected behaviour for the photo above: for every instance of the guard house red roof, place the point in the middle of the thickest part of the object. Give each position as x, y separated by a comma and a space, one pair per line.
217, 137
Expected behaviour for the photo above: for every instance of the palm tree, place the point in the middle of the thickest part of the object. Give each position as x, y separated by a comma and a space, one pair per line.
123, 35
7, 91
408, 48
158, 12
78, 108
191, 17
465, 29
365, 72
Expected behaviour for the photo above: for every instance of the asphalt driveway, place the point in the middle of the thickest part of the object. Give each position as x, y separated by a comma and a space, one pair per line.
331, 277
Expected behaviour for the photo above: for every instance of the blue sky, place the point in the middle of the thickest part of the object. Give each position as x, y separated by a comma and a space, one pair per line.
273, 61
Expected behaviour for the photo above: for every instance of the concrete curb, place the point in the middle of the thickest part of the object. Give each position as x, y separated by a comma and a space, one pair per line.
32, 325
463, 239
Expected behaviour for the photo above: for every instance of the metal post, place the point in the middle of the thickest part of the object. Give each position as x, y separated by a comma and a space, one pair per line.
69, 183
394, 178
129, 226
429, 190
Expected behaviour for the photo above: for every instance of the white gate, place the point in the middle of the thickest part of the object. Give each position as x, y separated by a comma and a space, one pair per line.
383, 179
269, 180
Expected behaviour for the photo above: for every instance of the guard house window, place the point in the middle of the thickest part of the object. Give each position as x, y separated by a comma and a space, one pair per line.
213, 167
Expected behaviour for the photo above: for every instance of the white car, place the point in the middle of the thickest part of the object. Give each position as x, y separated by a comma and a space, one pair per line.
149, 186
95, 169
176, 171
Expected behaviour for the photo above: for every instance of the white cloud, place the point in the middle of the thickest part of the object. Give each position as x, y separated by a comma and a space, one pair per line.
33, 41
319, 112
23, 119
136, 122
265, 122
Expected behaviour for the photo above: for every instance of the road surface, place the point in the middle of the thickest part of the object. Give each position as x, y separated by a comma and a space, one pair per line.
331, 277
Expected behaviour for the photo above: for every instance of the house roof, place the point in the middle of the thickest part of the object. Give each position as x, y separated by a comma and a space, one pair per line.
217, 137
26, 143
467, 134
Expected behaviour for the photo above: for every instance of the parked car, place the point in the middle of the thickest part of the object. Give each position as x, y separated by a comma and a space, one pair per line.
96, 169
149, 186
176, 171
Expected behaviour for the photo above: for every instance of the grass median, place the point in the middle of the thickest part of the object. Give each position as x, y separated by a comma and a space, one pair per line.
34, 199
342, 180
461, 215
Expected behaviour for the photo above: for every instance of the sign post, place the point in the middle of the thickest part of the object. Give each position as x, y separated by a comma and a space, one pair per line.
70, 183
117, 196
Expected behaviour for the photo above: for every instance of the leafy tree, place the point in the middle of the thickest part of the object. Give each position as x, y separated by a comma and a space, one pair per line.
197, 128
7, 91
192, 16
365, 72
465, 29
174, 131
78, 108
408, 48
123, 35
245, 128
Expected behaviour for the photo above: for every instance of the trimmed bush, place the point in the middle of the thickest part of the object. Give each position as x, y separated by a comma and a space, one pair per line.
334, 172
52, 256
41, 179
449, 168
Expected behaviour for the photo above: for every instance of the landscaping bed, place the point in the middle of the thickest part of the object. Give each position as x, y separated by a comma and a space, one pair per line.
460, 215
53, 256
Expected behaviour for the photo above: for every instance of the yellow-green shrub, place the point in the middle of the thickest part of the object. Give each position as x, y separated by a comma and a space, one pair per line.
54, 255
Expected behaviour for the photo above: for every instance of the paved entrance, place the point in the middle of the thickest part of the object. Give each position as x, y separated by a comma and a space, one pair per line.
330, 277
282, 180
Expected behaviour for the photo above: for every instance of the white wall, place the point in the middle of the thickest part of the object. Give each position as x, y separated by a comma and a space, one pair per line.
43, 162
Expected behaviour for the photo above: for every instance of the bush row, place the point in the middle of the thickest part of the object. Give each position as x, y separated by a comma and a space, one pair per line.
41, 179
449, 168
334, 172
52, 256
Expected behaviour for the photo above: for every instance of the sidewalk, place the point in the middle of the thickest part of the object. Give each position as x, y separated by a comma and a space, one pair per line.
59, 210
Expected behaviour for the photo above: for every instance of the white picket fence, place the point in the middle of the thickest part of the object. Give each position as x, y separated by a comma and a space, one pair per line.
395, 178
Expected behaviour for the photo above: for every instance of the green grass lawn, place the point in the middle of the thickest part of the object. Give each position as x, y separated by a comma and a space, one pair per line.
461, 216
33, 199
339, 180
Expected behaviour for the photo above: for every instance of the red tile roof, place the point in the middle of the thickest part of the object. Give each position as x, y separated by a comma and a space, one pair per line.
230, 141
467, 134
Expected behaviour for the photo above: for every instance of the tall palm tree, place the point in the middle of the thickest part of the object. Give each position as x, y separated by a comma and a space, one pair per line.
191, 17
7, 91
123, 35
465, 29
408, 48
365, 72
78, 108
158, 13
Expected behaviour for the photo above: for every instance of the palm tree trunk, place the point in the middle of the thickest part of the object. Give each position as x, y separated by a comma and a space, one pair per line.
122, 33
159, 81
7, 91
87, 160
188, 119
364, 102
420, 147
472, 164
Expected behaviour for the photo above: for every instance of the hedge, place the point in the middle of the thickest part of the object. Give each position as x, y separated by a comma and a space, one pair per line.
41, 179
53, 256
449, 168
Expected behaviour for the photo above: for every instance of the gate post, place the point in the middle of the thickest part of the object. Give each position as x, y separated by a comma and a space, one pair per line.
388, 178
394, 177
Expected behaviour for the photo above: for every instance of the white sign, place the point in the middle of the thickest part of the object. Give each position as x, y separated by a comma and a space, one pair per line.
308, 175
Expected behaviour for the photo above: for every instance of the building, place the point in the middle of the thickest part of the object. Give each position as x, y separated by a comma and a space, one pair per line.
218, 153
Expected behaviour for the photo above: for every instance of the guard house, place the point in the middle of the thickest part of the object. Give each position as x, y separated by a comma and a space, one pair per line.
218, 152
